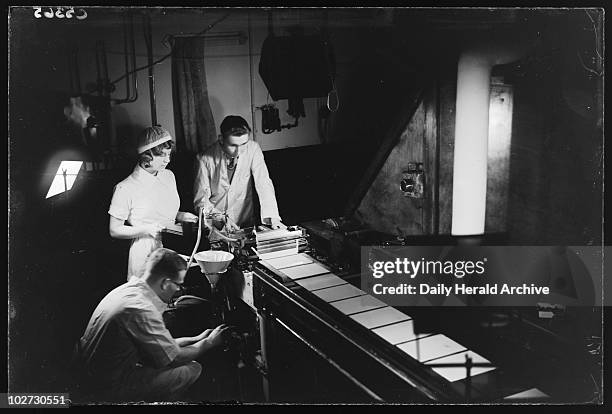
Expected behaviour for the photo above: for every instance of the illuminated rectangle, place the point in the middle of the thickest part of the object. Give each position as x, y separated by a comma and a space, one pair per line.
358, 304
320, 282
380, 317
458, 373
532, 394
432, 347
289, 261
64, 177
335, 293
398, 332
306, 270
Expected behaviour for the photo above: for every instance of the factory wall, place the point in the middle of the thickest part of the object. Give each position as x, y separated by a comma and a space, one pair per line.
546, 185
556, 161
235, 86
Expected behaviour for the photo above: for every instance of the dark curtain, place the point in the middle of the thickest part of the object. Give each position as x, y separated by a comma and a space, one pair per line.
193, 119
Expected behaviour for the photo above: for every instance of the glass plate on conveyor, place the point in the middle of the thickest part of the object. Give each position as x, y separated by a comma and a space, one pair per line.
335, 293
379, 317
432, 347
307, 270
289, 261
398, 332
358, 304
530, 395
458, 373
320, 282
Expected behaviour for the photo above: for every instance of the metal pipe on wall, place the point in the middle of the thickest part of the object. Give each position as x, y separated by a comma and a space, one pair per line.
149, 43
127, 66
133, 48
250, 29
129, 50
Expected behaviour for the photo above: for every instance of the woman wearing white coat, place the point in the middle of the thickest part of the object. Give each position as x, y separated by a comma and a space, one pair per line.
147, 200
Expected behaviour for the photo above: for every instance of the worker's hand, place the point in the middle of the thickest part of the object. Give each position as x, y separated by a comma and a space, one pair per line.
205, 333
152, 230
207, 225
218, 335
186, 217
223, 223
218, 221
230, 226
275, 223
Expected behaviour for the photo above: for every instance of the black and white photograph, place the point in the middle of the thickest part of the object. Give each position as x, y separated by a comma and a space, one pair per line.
305, 206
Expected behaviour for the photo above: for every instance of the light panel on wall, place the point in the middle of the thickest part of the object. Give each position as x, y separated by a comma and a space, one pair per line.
64, 177
471, 146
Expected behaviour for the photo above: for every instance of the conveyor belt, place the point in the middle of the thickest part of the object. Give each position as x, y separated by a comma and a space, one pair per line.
415, 358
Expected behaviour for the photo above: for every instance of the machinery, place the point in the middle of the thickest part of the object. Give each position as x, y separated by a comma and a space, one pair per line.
305, 332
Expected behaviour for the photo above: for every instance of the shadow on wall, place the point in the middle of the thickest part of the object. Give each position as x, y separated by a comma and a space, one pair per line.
314, 182
126, 131
219, 110
62, 264
183, 165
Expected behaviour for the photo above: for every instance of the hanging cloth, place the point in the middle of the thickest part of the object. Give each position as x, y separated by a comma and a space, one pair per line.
194, 123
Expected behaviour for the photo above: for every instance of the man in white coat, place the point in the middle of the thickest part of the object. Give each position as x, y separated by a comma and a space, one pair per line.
225, 172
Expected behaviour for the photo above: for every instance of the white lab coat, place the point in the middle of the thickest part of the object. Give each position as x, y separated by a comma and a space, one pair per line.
143, 198
213, 191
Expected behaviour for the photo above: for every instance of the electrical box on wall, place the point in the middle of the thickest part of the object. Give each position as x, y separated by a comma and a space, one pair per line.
413, 180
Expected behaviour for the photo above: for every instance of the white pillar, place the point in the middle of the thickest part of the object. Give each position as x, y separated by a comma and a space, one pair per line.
472, 134
471, 137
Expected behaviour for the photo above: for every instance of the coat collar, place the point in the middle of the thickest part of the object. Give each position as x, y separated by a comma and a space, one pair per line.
224, 160
143, 176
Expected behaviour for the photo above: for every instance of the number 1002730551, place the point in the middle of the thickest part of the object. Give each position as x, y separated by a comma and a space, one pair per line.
59, 13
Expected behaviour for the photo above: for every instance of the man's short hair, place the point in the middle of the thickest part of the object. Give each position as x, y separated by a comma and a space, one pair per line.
164, 262
234, 125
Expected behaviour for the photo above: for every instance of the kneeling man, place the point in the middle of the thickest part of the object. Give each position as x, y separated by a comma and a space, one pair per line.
127, 351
